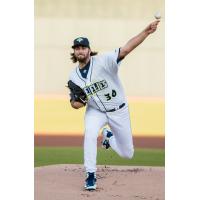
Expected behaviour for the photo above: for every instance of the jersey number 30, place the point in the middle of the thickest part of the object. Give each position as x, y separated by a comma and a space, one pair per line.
109, 96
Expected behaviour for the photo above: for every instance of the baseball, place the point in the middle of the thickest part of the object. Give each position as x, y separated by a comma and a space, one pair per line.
157, 15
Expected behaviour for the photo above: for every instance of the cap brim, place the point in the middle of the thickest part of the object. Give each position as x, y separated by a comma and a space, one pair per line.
78, 45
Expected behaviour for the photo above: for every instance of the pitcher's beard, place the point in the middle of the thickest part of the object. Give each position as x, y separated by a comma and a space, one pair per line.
81, 59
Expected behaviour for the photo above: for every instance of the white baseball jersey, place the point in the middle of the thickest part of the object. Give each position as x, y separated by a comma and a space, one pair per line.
102, 85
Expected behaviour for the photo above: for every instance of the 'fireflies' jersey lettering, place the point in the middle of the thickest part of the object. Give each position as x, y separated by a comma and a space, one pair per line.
95, 87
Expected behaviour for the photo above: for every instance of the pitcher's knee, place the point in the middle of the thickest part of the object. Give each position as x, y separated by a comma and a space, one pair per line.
129, 154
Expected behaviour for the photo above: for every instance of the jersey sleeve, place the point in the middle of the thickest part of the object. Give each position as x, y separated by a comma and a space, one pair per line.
70, 77
112, 60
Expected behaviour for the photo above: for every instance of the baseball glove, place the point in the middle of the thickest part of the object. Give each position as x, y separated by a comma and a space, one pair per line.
77, 94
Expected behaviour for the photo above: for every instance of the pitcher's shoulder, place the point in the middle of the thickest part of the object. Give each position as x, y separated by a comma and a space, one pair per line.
73, 73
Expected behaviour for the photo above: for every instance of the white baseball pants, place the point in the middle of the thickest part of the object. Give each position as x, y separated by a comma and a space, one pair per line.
120, 142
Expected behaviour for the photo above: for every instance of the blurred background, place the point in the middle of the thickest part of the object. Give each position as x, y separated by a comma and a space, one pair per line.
108, 25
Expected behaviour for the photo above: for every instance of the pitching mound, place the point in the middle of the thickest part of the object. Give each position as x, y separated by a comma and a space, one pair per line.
63, 182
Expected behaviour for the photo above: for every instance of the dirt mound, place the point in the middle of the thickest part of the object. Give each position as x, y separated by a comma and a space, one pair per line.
63, 182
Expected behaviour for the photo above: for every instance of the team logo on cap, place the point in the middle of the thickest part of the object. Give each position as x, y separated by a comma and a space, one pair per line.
79, 39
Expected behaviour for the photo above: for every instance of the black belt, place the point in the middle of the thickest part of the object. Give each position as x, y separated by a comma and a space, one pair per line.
114, 109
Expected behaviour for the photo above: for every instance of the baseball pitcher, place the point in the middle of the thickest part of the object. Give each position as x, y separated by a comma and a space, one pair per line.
95, 83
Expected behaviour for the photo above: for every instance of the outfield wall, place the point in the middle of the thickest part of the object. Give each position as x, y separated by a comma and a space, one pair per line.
55, 116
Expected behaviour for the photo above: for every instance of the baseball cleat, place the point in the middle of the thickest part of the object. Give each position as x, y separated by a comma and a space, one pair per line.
106, 135
90, 182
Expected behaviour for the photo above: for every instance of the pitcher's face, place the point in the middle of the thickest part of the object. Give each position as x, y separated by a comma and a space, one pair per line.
82, 53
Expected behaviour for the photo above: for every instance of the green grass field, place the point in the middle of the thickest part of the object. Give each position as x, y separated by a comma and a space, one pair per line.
74, 155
